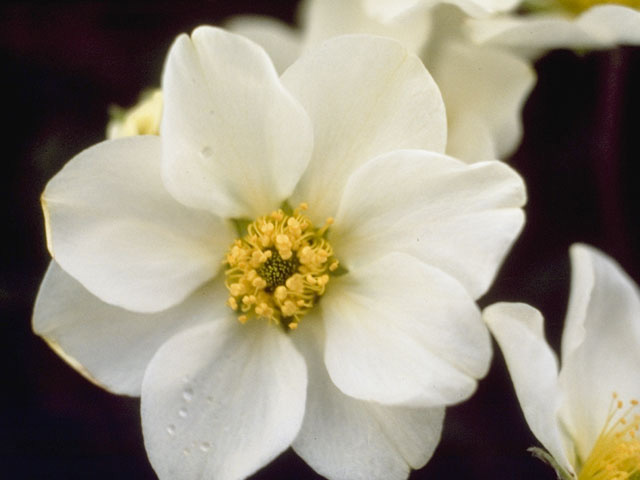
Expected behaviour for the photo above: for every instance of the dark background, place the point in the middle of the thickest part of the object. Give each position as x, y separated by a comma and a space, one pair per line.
63, 64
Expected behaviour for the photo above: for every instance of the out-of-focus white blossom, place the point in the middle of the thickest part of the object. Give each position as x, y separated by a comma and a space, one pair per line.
484, 87
549, 24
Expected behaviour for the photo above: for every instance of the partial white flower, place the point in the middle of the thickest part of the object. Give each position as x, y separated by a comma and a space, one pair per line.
575, 24
141, 119
484, 88
587, 414
342, 326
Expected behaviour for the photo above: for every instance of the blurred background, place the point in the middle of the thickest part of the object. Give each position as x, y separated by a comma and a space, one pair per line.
65, 63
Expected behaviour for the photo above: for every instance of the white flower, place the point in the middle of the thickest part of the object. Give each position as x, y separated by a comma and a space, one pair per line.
341, 327
586, 415
141, 119
576, 24
484, 88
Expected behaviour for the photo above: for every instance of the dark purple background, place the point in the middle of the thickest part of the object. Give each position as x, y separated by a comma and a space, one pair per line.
63, 64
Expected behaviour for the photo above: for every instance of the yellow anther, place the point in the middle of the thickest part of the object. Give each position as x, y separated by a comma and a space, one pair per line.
243, 319
283, 241
292, 222
257, 259
295, 283
288, 308
231, 301
280, 293
334, 266
249, 299
237, 289
267, 227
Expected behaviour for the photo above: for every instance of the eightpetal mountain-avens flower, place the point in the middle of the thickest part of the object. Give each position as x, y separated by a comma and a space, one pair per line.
292, 261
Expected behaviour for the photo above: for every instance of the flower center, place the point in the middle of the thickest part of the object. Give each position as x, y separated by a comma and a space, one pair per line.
616, 453
280, 268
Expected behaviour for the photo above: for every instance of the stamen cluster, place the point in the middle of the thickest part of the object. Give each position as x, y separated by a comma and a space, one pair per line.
616, 453
280, 268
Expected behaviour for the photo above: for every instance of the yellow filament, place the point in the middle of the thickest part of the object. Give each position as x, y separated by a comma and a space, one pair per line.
279, 269
616, 453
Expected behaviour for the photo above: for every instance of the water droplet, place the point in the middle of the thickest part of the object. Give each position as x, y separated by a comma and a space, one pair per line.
171, 429
205, 446
186, 451
187, 394
210, 399
206, 152
183, 412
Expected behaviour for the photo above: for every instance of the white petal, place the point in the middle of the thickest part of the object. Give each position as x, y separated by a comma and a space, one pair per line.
109, 345
234, 141
221, 400
324, 19
281, 42
402, 332
604, 353
460, 218
389, 9
519, 330
618, 23
491, 83
366, 96
470, 138
345, 438
113, 226
533, 34
582, 285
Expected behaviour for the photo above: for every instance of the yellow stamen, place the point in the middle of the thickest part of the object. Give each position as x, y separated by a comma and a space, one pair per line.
616, 453
280, 268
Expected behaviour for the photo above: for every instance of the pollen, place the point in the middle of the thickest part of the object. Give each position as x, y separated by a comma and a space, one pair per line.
280, 268
616, 453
